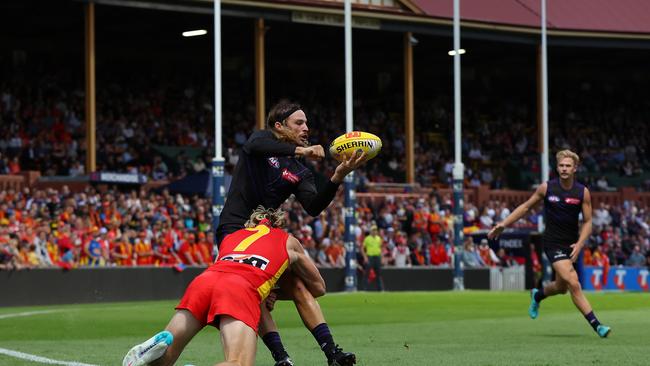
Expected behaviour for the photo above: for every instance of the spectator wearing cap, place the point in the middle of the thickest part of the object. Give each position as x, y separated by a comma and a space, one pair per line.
88, 242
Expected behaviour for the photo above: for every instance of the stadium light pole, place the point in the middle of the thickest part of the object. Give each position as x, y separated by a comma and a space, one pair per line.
545, 167
91, 95
350, 195
458, 169
218, 189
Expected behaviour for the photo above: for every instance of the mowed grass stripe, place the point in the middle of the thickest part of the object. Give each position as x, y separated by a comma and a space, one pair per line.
442, 328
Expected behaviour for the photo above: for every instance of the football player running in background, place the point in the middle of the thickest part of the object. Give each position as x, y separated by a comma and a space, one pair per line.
564, 200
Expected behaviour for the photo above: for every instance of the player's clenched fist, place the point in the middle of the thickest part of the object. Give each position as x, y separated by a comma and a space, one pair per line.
315, 152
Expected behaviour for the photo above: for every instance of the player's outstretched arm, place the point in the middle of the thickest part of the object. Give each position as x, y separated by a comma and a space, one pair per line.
519, 212
315, 202
304, 268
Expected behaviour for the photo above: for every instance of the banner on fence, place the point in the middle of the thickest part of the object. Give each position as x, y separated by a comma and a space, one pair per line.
616, 278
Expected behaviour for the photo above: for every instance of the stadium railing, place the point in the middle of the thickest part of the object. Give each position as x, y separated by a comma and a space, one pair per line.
476, 195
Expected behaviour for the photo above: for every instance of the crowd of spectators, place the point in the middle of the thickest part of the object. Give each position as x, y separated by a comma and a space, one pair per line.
47, 228
112, 228
166, 131
163, 132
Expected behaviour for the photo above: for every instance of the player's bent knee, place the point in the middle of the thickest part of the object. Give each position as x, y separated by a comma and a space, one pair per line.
301, 293
560, 288
574, 286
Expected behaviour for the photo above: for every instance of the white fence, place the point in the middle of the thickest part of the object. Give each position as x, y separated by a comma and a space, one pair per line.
507, 279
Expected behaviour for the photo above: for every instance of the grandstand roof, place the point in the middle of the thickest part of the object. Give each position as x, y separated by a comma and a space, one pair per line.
621, 16
598, 18
582, 18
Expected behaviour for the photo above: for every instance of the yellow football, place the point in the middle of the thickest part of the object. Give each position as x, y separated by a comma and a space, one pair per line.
356, 141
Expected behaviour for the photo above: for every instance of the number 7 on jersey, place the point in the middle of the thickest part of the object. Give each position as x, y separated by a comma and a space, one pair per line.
260, 231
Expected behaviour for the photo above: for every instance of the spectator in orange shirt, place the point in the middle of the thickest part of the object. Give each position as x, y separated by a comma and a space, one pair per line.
122, 252
27, 255
14, 166
186, 250
336, 253
600, 259
439, 256
143, 251
203, 250
435, 224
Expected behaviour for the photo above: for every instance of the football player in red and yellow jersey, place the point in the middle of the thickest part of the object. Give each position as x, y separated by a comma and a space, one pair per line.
229, 293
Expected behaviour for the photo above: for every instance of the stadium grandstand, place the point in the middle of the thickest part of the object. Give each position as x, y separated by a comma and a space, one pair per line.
155, 118
107, 137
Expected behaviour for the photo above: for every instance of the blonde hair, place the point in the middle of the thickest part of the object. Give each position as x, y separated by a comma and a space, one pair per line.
275, 217
568, 154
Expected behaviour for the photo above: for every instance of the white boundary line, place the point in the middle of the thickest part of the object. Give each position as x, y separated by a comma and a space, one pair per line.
34, 358
28, 313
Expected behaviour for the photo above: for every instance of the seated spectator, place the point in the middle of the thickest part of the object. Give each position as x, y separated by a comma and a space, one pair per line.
322, 259
487, 254
602, 184
10, 257
439, 255
485, 220
387, 251
309, 245
402, 253
636, 259
471, 257
335, 253
506, 260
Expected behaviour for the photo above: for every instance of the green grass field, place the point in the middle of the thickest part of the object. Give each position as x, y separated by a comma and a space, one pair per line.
442, 328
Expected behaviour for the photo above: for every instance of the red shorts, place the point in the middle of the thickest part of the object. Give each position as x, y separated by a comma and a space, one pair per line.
212, 294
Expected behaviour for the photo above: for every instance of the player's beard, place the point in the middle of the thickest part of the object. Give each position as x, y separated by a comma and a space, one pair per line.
288, 135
